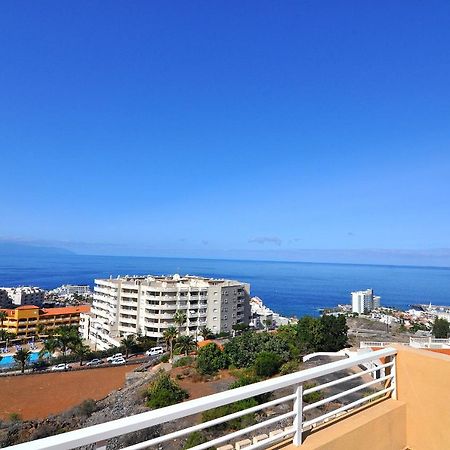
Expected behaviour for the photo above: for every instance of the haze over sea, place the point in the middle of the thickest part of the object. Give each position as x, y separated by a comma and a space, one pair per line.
291, 288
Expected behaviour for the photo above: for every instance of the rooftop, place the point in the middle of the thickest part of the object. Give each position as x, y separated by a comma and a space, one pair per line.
408, 408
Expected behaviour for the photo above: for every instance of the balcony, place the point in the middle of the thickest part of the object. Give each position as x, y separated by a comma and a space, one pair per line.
408, 409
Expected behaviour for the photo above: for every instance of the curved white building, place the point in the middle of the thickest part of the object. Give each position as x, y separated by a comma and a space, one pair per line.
147, 305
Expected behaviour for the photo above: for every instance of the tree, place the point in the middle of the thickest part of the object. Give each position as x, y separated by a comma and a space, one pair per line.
206, 333
210, 359
49, 347
185, 344
241, 351
326, 334
441, 328
267, 364
3, 316
81, 350
22, 357
267, 323
40, 328
164, 391
169, 335
180, 319
333, 333
66, 337
128, 343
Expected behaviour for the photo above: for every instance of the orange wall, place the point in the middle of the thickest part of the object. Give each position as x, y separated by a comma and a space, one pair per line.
423, 380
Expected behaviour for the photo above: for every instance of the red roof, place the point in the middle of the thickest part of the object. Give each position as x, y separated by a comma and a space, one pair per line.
66, 310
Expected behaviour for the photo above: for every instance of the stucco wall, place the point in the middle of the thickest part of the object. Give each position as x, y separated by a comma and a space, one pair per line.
424, 385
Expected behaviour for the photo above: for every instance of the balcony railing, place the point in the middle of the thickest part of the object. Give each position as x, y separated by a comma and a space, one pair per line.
382, 359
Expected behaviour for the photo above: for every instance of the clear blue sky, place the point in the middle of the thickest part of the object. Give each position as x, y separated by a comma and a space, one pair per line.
199, 128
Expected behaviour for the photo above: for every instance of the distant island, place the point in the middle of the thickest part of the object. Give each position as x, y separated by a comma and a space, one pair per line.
8, 248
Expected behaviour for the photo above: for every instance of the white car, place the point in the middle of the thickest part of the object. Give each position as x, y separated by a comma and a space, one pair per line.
61, 367
94, 362
154, 351
118, 361
113, 357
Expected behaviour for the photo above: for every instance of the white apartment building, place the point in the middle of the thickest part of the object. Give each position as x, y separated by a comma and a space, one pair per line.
147, 305
364, 301
71, 289
24, 295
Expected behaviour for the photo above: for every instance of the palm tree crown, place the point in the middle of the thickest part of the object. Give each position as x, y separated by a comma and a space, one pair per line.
21, 357
128, 343
185, 344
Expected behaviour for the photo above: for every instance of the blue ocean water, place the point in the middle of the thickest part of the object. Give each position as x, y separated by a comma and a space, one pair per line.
291, 288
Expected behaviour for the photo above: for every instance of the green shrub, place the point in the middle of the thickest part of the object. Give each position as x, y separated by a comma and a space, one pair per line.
267, 364
14, 417
195, 438
241, 351
210, 359
164, 358
245, 380
87, 407
164, 391
289, 367
313, 396
185, 361
235, 424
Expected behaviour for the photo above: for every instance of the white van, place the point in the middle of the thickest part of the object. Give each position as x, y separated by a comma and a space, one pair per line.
154, 351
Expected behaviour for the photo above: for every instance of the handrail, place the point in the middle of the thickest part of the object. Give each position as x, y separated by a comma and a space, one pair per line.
103, 432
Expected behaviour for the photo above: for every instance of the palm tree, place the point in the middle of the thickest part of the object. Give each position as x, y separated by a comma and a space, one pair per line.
66, 338
81, 350
180, 319
128, 343
169, 335
21, 357
185, 344
40, 327
49, 347
3, 316
205, 333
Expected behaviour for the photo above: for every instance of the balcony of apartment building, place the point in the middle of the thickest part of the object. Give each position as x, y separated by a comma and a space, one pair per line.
395, 398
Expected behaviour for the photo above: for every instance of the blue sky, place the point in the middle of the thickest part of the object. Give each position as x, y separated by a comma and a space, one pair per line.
241, 128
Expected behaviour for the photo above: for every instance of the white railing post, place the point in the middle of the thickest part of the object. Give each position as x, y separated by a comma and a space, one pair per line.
298, 418
394, 376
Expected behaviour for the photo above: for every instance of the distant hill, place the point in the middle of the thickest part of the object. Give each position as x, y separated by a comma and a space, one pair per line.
8, 248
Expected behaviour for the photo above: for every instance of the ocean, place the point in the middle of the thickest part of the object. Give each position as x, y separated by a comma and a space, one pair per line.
290, 288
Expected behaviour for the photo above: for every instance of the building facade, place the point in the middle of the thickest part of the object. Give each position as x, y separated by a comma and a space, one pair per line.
23, 295
24, 320
148, 304
364, 301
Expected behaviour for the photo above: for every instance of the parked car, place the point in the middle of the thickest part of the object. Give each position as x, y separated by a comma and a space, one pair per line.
113, 357
60, 367
118, 361
154, 351
94, 362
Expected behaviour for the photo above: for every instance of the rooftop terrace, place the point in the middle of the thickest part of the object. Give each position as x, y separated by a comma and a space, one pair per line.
407, 407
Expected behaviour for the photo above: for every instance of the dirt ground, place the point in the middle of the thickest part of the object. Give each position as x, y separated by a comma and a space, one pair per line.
201, 389
40, 395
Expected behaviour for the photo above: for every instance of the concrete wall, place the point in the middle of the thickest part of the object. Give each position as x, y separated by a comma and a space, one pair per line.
424, 385
379, 426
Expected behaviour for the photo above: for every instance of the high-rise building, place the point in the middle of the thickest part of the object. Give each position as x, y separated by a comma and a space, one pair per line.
148, 304
364, 301
24, 295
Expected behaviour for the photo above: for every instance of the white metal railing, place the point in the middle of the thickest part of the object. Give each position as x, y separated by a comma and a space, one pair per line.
429, 342
100, 434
